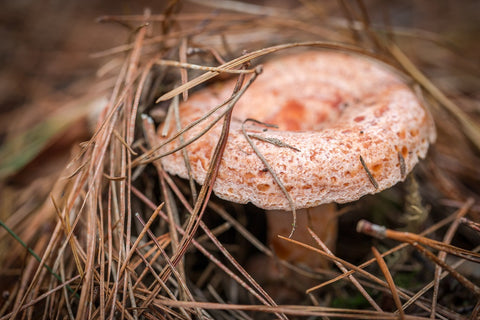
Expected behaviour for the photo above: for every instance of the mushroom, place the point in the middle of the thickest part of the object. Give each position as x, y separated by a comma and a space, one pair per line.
347, 126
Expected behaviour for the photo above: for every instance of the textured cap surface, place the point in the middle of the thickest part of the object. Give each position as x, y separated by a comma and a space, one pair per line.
334, 108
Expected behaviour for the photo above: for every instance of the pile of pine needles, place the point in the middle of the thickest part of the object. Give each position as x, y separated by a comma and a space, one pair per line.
117, 237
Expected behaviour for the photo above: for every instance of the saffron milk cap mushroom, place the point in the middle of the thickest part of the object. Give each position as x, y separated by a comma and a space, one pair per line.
347, 126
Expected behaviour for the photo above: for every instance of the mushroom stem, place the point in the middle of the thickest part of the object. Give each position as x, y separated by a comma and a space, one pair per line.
321, 219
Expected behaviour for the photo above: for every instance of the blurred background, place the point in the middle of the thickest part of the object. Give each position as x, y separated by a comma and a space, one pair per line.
46, 45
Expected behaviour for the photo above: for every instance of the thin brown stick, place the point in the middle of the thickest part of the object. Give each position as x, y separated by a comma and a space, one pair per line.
294, 310
186, 158
447, 239
476, 311
184, 66
369, 173
403, 167
182, 55
354, 281
272, 173
139, 238
393, 289
382, 232
472, 224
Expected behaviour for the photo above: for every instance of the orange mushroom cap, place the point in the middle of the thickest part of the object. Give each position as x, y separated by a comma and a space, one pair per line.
335, 108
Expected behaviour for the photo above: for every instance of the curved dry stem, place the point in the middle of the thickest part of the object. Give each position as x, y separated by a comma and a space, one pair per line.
259, 53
